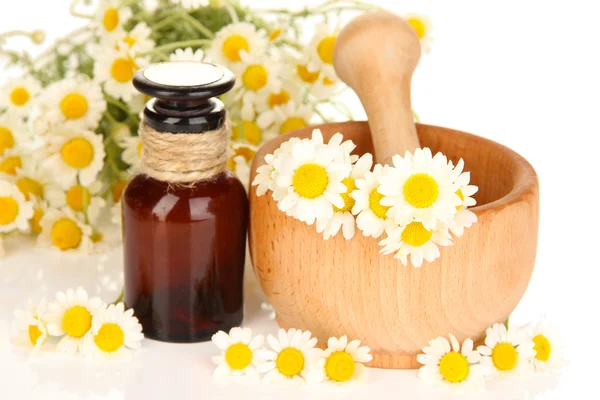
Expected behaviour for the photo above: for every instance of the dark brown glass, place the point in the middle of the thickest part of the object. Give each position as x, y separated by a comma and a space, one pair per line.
184, 256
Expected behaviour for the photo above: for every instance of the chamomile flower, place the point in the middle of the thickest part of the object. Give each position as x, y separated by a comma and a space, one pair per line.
39, 210
11, 160
290, 358
287, 118
416, 241
341, 362
15, 211
548, 347
111, 16
372, 219
422, 27
324, 88
290, 90
32, 179
236, 39
76, 103
31, 325
18, 94
13, 132
419, 188
115, 70
267, 174
343, 217
70, 317
132, 151
343, 147
238, 352
248, 131
187, 54
320, 52
137, 40
464, 218
65, 231
257, 73
75, 155
507, 351
313, 180
114, 332
191, 4
80, 199
451, 366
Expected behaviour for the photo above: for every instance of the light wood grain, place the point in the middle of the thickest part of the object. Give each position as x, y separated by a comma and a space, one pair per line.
340, 287
376, 55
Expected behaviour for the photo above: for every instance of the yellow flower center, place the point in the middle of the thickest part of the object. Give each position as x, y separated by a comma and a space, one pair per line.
454, 367
34, 334
328, 82
97, 237
375, 204
77, 321
9, 210
7, 141
505, 356
123, 69
20, 96
10, 164
542, 347
325, 49
310, 181
277, 99
348, 201
111, 19
110, 337
74, 106
255, 77
340, 366
306, 75
78, 198
117, 190
415, 234
238, 356
275, 34
130, 40
419, 26
233, 45
421, 190
291, 124
249, 130
460, 194
66, 234
290, 362
38, 214
30, 187
78, 153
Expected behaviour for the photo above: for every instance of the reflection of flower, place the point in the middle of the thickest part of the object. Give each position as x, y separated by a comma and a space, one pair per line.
238, 352
291, 356
450, 365
548, 348
507, 351
341, 362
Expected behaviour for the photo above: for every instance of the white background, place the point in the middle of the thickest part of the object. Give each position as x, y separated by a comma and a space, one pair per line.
521, 72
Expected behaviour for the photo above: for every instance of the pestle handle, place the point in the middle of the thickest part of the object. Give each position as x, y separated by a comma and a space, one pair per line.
376, 55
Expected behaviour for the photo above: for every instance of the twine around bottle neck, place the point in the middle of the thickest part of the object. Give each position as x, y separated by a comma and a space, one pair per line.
186, 157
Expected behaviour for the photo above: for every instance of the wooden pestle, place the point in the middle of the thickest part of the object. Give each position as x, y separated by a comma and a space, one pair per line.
376, 55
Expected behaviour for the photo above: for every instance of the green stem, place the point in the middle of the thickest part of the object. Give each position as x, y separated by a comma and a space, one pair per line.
177, 45
120, 298
165, 22
506, 322
77, 14
320, 114
198, 25
13, 33
117, 104
232, 13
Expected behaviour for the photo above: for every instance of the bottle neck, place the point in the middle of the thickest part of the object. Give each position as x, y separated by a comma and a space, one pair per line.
192, 117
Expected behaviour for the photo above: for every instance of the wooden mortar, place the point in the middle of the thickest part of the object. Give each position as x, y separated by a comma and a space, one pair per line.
341, 287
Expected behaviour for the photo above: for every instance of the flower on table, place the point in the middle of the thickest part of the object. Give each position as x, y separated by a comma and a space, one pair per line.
372, 219
341, 362
114, 332
111, 16
70, 318
238, 352
446, 363
507, 351
290, 358
76, 103
115, 70
236, 39
548, 347
15, 211
86, 200
32, 325
18, 95
75, 156
343, 217
187, 54
64, 230
422, 26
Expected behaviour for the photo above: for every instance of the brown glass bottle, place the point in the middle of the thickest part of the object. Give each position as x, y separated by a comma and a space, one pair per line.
184, 245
